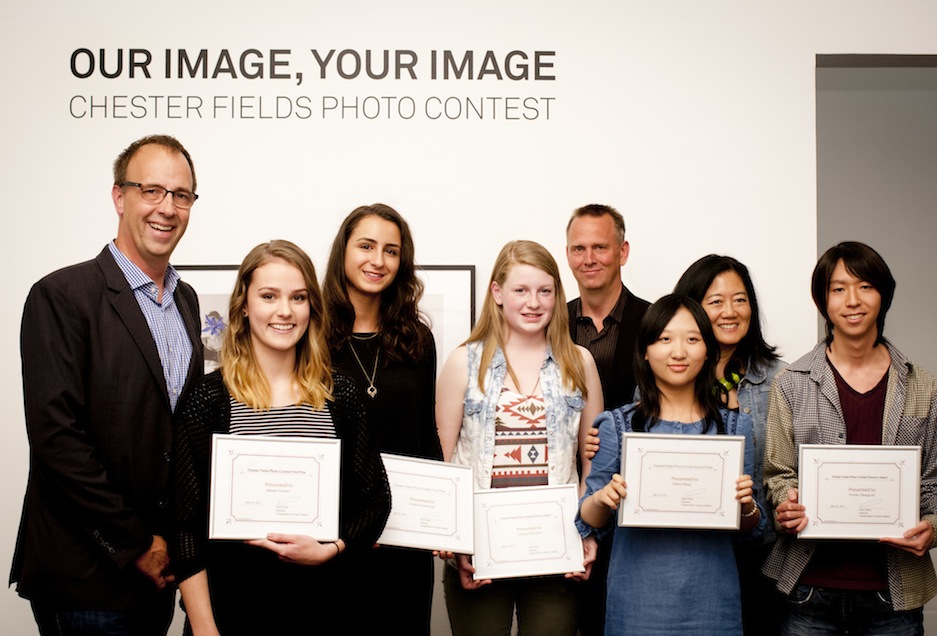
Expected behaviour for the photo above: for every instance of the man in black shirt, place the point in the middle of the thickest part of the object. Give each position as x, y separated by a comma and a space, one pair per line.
604, 319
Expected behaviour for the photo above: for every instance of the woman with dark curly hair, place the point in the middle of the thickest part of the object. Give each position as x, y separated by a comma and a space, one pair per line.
380, 340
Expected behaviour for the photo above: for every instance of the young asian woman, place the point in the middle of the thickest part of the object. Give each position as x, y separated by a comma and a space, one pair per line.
668, 581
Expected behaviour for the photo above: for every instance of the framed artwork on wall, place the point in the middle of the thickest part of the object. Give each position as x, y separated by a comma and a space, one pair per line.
213, 284
448, 301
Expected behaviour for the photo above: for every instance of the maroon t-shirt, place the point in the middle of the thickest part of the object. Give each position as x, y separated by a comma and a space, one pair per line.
853, 565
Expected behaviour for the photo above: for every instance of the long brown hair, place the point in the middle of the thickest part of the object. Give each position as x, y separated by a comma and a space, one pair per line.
402, 336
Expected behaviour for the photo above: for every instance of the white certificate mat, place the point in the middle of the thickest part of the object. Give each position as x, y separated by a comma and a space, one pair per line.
859, 492
681, 481
528, 531
431, 505
263, 484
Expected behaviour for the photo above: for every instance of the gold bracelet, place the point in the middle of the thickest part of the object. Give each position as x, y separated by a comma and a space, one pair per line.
750, 513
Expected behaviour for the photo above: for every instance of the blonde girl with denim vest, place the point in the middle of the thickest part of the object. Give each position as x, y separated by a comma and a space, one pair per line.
519, 365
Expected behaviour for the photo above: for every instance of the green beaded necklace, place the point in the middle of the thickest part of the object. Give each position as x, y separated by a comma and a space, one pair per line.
725, 385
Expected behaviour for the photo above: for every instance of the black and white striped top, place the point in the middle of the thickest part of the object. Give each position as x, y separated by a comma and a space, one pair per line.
300, 420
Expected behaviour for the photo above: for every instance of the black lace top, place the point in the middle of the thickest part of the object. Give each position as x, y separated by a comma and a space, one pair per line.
365, 494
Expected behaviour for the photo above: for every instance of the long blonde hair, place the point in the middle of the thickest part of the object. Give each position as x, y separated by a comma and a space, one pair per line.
491, 326
313, 371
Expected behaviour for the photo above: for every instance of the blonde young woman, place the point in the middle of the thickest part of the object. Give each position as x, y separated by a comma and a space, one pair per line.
275, 379
515, 402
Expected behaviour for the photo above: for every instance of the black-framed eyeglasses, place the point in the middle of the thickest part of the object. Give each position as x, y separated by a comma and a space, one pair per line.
155, 194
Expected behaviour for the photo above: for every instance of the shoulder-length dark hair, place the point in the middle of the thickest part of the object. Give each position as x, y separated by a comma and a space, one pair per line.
864, 263
403, 332
752, 351
652, 325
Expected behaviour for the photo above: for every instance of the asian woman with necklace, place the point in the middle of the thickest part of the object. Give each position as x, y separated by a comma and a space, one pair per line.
380, 341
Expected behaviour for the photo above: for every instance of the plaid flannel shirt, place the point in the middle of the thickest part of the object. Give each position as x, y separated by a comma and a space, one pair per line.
804, 408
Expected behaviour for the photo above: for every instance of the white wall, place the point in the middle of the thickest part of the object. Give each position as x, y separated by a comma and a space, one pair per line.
695, 119
877, 154
877, 157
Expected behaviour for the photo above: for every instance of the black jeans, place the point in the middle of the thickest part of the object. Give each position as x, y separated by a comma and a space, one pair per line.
820, 611
151, 619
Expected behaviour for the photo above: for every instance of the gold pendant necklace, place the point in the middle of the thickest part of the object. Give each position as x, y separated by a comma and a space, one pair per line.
371, 390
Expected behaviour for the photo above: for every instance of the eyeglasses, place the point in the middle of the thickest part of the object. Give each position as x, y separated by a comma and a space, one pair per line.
155, 194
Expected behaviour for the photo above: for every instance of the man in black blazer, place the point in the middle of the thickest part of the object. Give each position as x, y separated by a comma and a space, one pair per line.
605, 320
108, 347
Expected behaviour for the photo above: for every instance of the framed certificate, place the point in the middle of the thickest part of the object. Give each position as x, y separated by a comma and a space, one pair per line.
527, 531
431, 505
263, 484
681, 481
859, 492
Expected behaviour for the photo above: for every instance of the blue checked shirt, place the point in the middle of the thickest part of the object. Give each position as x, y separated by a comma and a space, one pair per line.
164, 320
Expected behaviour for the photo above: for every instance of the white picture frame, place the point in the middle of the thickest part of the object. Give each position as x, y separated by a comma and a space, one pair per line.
855, 491
681, 481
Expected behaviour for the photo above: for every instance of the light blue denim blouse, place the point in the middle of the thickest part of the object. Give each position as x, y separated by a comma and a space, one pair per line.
476, 444
753, 392
666, 580
612, 424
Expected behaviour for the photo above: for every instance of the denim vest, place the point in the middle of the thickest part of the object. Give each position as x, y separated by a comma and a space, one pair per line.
476, 444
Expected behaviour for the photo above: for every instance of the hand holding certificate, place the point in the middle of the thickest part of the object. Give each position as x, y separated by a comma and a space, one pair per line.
526, 531
681, 481
300, 549
265, 484
859, 492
